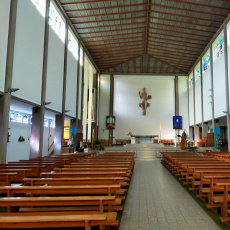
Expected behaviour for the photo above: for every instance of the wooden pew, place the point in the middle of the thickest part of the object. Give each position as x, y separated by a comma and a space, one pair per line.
59, 221
82, 204
77, 181
63, 190
5, 177
19, 176
85, 174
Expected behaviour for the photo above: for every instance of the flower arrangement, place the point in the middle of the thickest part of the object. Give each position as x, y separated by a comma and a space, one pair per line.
130, 133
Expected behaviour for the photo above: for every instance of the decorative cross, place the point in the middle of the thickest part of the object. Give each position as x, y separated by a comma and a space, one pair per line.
144, 104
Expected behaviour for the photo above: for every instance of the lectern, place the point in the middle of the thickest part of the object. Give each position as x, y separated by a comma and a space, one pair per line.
183, 142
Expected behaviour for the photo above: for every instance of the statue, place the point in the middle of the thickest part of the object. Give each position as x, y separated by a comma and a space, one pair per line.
144, 104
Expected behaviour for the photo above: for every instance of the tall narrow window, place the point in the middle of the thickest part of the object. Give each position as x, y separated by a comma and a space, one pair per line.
81, 56
218, 46
41, 6
206, 61
197, 72
73, 45
56, 22
190, 79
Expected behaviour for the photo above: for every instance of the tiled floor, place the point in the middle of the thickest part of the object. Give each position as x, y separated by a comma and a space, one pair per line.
156, 200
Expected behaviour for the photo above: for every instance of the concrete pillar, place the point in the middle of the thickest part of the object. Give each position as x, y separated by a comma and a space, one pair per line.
202, 101
212, 92
5, 99
37, 127
58, 134
111, 101
176, 101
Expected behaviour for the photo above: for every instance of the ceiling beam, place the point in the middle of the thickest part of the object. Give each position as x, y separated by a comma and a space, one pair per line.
179, 50
85, 2
184, 22
105, 26
102, 45
178, 41
173, 52
112, 55
197, 4
106, 31
107, 20
109, 14
124, 46
173, 44
187, 16
147, 26
104, 8
176, 36
185, 28
189, 10
182, 32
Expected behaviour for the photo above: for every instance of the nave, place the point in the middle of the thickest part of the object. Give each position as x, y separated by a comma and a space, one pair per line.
156, 200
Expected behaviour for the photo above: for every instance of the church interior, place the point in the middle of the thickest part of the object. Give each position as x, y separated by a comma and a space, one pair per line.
115, 114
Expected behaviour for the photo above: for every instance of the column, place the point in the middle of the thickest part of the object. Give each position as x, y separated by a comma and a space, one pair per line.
176, 103
5, 99
37, 127
59, 119
111, 101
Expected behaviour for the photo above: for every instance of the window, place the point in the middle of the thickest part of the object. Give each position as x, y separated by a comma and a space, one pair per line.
190, 79
72, 45
51, 123
41, 6
12, 116
197, 72
228, 33
56, 22
81, 56
218, 47
25, 119
206, 61
46, 122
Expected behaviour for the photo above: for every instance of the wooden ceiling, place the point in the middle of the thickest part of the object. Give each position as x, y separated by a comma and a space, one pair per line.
146, 36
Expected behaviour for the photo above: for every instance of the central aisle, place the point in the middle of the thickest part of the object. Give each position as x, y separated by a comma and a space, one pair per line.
156, 200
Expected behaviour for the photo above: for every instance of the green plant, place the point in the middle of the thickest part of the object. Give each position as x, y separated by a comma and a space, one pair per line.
96, 145
191, 148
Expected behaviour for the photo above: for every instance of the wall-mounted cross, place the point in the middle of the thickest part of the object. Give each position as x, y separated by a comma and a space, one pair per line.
144, 104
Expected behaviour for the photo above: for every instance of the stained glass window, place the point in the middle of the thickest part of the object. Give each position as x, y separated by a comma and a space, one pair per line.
56, 22
12, 116
73, 45
197, 72
46, 122
51, 123
25, 119
206, 61
218, 47
41, 6
190, 79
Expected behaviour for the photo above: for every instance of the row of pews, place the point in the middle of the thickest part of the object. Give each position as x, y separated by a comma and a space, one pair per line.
78, 190
207, 174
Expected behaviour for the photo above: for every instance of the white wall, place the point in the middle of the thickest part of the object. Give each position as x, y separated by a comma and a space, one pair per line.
80, 92
207, 96
71, 85
18, 150
219, 87
4, 25
28, 52
191, 106
128, 113
104, 106
198, 111
55, 68
183, 102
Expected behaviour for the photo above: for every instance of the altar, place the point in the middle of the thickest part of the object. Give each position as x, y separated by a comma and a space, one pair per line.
144, 139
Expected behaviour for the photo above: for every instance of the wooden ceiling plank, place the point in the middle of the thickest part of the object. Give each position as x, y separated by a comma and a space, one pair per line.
109, 14
186, 42
148, 63
121, 51
175, 36
112, 56
188, 10
105, 8
184, 28
186, 16
106, 31
197, 4
173, 44
107, 20
113, 25
85, 2
127, 66
141, 64
185, 22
